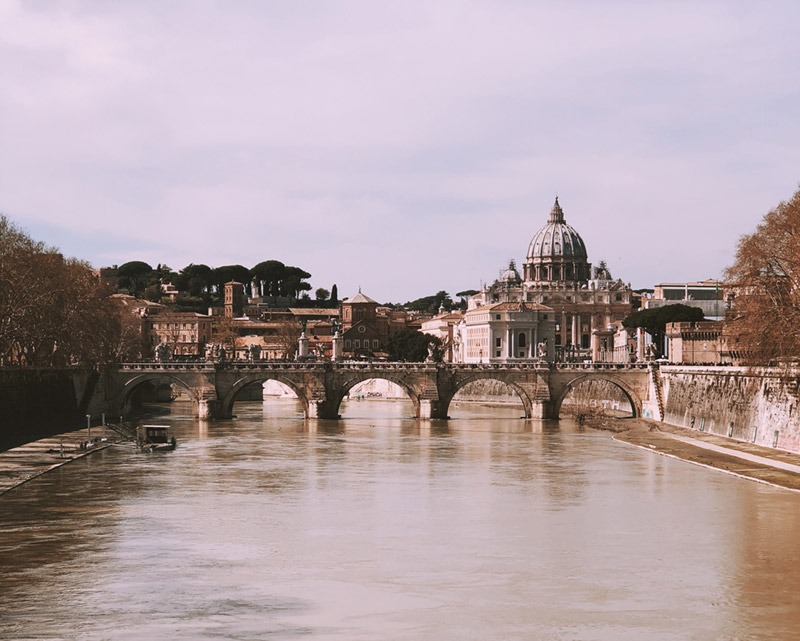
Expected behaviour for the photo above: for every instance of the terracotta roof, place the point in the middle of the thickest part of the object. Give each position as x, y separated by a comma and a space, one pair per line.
314, 311
360, 298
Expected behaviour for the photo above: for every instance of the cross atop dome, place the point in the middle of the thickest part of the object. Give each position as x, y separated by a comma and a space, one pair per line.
556, 213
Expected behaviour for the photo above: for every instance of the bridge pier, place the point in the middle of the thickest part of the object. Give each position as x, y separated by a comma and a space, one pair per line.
207, 408
541, 409
432, 409
321, 409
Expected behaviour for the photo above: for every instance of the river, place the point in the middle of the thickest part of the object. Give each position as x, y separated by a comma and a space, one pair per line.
382, 527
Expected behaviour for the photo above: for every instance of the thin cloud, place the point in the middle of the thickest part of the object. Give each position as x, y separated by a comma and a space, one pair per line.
406, 148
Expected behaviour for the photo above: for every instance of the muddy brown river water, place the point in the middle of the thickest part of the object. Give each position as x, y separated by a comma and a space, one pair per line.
383, 527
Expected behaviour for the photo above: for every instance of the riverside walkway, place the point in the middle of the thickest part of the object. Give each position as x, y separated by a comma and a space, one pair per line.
21, 464
740, 458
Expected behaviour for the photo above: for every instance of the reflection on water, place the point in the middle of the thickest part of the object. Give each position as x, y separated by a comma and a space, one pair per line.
382, 527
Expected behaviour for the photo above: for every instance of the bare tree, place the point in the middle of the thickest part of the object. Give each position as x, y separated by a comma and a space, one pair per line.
765, 279
224, 333
287, 336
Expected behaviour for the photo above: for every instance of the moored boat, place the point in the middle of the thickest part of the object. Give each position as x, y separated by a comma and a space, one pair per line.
155, 438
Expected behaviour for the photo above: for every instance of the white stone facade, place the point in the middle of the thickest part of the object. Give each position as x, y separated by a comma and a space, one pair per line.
506, 332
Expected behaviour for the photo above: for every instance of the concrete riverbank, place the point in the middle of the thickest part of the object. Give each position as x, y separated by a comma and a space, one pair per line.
21, 464
740, 458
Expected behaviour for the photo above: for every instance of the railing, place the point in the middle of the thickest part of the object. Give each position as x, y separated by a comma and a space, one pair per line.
603, 366
374, 366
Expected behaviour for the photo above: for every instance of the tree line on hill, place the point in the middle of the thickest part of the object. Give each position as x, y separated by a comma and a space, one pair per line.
201, 286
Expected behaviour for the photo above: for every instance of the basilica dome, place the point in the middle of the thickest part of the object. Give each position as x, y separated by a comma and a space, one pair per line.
557, 252
557, 240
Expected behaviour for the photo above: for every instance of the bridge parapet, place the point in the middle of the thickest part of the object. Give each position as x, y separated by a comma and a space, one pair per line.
603, 366
167, 366
321, 385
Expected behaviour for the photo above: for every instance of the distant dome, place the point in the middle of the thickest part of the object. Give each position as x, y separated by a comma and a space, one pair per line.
511, 275
557, 240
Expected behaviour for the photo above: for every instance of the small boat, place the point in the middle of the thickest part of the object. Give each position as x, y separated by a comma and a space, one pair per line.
155, 438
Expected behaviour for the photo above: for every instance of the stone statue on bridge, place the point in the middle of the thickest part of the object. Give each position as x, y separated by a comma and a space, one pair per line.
162, 352
541, 350
430, 357
215, 352
254, 352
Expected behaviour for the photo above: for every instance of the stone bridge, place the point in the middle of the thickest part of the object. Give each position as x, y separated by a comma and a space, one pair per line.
320, 387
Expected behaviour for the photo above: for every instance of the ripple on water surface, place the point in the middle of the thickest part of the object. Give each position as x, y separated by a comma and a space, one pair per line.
381, 526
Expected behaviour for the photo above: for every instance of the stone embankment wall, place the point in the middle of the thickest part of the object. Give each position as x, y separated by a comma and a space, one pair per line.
35, 403
759, 405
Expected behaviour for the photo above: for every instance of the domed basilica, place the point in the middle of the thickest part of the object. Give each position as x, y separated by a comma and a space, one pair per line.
586, 303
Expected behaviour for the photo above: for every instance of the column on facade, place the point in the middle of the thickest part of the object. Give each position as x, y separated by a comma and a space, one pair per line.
564, 328
575, 340
510, 347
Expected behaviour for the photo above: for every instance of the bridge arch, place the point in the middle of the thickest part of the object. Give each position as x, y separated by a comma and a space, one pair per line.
463, 381
351, 381
226, 407
627, 390
122, 396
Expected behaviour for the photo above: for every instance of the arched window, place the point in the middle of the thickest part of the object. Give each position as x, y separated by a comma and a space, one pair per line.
521, 341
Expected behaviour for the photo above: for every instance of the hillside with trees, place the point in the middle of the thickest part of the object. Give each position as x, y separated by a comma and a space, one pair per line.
200, 286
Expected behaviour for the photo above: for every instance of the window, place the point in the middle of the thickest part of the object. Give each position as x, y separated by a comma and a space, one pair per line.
619, 297
521, 340
347, 343
544, 316
375, 343
357, 343
497, 316
498, 353
498, 342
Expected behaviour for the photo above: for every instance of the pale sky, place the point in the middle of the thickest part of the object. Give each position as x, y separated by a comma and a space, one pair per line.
406, 147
